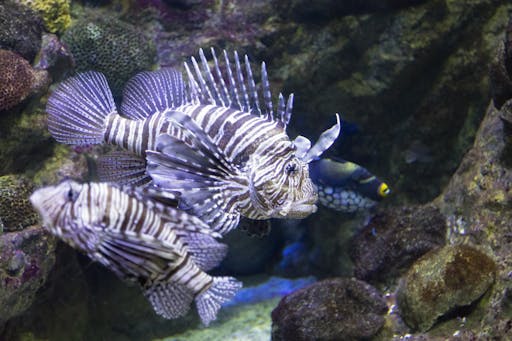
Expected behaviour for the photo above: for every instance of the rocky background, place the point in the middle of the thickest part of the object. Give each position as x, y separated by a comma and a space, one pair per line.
423, 88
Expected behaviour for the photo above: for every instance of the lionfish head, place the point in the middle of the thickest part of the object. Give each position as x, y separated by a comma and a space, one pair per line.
50, 201
283, 189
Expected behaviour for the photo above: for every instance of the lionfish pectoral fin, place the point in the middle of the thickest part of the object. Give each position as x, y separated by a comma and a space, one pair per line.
255, 228
135, 255
78, 109
123, 168
323, 143
196, 168
152, 91
205, 251
169, 300
209, 302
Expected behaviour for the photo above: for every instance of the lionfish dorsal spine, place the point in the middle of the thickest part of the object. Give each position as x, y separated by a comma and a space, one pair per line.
288, 111
205, 92
193, 93
252, 86
223, 89
241, 82
213, 88
267, 95
232, 84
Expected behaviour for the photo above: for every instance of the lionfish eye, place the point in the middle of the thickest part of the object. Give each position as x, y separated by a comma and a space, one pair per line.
290, 168
71, 195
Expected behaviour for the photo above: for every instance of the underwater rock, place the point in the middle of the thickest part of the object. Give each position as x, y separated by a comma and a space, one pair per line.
477, 201
333, 309
394, 238
18, 79
417, 73
16, 212
441, 281
20, 30
55, 13
26, 257
321, 10
108, 45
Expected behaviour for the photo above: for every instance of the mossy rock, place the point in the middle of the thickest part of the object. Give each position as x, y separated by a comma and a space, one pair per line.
16, 212
441, 281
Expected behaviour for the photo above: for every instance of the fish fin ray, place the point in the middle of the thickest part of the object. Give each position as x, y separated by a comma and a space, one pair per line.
205, 251
209, 302
169, 300
78, 108
123, 168
149, 92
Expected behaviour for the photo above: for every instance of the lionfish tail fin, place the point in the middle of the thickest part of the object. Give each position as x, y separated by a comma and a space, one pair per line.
169, 300
78, 109
209, 302
152, 91
123, 168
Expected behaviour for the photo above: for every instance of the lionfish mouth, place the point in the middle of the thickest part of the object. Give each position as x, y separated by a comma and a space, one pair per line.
297, 210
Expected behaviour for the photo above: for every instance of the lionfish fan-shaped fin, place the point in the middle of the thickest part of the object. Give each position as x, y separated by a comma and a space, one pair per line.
205, 251
149, 92
169, 300
325, 140
255, 228
78, 108
123, 168
209, 302
302, 145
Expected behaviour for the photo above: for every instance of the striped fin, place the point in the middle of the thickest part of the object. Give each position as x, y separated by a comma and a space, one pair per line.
323, 143
208, 86
149, 92
205, 251
169, 300
222, 290
134, 255
123, 168
78, 108
197, 170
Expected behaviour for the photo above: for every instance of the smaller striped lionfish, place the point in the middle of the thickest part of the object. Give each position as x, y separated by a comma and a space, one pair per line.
163, 249
209, 140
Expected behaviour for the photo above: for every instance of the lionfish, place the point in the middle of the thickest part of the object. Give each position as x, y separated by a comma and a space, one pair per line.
345, 186
209, 140
163, 249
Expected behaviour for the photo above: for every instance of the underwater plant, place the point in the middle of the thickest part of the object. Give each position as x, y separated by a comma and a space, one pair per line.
55, 13
108, 45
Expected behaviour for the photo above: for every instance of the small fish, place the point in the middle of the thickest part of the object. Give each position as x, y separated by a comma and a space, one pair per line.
345, 186
418, 152
209, 140
163, 249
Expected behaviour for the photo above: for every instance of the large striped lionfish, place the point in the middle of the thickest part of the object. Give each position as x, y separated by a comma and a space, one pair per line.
163, 249
209, 140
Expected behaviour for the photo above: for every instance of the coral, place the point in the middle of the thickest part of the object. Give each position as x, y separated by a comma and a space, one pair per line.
111, 46
334, 309
20, 29
26, 257
15, 210
55, 13
394, 239
442, 280
16, 78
